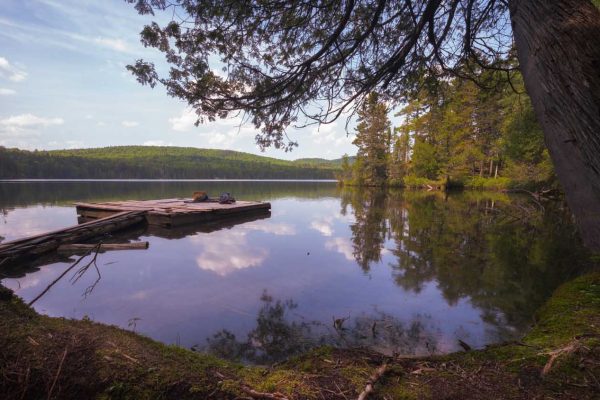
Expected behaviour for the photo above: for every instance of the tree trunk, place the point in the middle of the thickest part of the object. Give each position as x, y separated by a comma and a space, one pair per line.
558, 46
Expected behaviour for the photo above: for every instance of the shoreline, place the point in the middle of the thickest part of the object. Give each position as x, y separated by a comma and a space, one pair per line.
167, 180
61, 358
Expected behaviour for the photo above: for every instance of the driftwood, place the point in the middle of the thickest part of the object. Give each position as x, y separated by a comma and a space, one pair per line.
37, 245
379, 372
263, 395
70, 248
253, 393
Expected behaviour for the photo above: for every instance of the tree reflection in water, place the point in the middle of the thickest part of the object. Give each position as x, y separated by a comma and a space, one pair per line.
274, 337
278, 335
504, 254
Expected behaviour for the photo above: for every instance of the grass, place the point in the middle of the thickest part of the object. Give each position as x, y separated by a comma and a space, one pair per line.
480, 183
43, 357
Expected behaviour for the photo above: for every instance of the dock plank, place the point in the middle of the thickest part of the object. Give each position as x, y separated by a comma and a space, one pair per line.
172, 212
105, 217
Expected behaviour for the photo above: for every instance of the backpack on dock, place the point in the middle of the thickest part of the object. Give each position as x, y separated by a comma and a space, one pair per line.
226, 198
198, 197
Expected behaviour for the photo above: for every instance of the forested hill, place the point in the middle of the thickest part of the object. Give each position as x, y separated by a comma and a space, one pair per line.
151, 162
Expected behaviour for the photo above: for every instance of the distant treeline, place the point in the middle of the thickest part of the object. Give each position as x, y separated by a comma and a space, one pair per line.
151, 162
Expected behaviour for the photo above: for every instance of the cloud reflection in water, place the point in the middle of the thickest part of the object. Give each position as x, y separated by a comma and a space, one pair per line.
227, 251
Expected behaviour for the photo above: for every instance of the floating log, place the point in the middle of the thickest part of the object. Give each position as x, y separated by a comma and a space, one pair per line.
17, 250
70, 248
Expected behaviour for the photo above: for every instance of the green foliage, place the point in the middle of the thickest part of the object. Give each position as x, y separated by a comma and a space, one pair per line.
398, 161
150, 162
373, 141
479, 138
478, 182
418, 182
345, 175
453, 134
425, 160
527, 159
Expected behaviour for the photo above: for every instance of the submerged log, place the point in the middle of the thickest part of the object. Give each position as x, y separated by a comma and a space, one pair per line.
104, 246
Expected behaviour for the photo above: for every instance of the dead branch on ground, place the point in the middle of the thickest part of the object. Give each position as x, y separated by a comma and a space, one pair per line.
379, 372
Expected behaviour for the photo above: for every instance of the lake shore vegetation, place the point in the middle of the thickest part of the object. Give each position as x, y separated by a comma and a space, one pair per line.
453, 134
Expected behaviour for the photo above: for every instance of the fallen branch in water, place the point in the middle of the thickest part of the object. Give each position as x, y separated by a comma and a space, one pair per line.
379, 372
77, 275
66, 272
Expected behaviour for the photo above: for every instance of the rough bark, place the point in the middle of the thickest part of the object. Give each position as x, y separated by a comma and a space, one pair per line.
558, 46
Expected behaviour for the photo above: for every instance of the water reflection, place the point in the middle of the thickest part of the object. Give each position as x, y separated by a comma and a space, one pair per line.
280, 333
502, 253
406, 272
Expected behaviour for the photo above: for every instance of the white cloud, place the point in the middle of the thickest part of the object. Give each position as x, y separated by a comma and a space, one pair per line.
228, 133
74, 144
25, 123
10, 72
114, 44
157, 143
330, 134
184, 122
130, 124
6, 92
219, 139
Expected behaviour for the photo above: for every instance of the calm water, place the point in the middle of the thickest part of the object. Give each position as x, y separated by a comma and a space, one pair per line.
405, 272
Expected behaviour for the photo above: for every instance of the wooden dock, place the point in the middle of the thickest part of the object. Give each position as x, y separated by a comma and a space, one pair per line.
107, 217
172, 212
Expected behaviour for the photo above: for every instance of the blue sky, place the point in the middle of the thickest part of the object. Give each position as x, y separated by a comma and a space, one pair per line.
63, 84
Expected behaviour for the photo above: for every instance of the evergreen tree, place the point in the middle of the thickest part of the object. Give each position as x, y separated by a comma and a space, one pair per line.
400, 157
373, 136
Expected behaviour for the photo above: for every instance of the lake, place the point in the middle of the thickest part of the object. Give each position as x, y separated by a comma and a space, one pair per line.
408, 272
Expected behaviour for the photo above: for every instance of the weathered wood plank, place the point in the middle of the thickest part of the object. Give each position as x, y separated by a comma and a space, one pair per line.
115, 215
104, 246
39, 244
172, 212
63, 230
